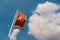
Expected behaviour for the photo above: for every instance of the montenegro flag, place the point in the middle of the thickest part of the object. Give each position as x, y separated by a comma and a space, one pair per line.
20, 20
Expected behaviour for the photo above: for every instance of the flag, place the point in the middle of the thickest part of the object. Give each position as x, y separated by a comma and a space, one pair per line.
20, 20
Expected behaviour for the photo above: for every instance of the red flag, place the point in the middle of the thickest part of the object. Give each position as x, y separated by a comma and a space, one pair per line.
20, 20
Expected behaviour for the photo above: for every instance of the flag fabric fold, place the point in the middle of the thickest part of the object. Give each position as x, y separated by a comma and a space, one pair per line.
20, 20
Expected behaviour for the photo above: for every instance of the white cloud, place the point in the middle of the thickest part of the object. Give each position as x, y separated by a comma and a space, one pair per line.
45, 21
14, 34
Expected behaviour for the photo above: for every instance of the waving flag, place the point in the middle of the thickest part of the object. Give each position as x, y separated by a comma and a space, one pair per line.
20, 20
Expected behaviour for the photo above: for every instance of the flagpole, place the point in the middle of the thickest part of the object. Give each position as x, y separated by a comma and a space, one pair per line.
12, 24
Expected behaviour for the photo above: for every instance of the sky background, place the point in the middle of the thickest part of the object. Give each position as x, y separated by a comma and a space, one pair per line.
7, 11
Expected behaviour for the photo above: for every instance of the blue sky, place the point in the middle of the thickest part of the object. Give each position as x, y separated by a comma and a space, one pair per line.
7, 11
